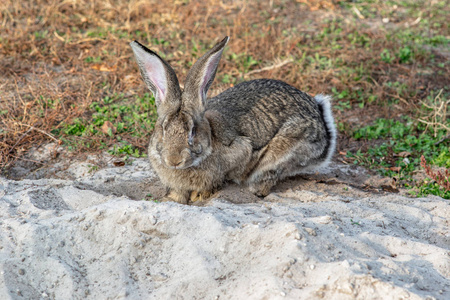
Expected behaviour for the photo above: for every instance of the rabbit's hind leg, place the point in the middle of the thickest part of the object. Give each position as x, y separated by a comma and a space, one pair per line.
264, 183
282, 157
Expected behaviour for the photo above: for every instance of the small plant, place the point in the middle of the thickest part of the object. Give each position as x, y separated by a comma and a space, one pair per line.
405, 54
77, 128
386, 56
343, 105
149, 197
441, 178
92, 59
321, 62
355, 223
340, 95
40, 35
125, 149
246, 62
93, 169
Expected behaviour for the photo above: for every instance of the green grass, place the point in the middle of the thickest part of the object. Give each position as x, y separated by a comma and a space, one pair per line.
398, 147
150, 197
125, 149
132, 119
429, 187
91, 59
246, 62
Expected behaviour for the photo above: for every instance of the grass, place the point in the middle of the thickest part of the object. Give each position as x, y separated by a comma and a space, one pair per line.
68, 74
438, 182
398, 147
150, 197
123, 123
403, 142
355, 223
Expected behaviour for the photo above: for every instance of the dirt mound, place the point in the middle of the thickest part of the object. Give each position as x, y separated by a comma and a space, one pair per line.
316, 236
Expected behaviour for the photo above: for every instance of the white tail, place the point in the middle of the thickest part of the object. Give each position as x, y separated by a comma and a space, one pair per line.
324, 102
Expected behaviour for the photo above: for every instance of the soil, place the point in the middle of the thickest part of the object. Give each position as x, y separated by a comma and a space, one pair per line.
76, 228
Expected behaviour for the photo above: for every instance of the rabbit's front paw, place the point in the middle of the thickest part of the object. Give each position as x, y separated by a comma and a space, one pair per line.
200, 196
179, 197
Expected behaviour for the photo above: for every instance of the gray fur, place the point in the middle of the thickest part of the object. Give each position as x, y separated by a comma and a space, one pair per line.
257, 133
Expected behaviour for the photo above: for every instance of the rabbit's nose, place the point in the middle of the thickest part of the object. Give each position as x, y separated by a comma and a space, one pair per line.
174, 160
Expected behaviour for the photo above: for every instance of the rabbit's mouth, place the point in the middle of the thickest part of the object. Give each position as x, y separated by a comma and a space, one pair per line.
186, 165
186, 161
183, 167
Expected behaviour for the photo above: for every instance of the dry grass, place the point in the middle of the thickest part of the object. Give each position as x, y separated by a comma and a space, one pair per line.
57, 57
438, 113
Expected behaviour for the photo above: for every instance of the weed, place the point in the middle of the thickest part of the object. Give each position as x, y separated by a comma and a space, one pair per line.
320, 62
386, 56
125, 117
343, 105
405, 54
441, 184
227, 78
159, 41
150, 197
340, 95
76, 128
430, 188
93, 169
40, 35
405, 142
91, 59
246, 62
355, 223
125, 149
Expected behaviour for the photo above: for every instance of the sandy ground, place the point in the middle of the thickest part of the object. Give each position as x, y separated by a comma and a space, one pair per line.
72, 231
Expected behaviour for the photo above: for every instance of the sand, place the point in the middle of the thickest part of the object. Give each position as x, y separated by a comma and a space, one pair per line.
87, 234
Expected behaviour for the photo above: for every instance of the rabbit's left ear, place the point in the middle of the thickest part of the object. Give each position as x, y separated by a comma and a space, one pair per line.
201, 76
159, 77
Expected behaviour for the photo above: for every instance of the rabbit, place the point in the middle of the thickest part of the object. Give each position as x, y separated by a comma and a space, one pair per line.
255, 133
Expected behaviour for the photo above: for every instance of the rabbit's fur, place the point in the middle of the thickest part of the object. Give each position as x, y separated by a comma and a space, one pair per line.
257, 132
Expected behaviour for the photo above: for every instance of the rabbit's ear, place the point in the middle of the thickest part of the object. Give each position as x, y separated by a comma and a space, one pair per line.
159, 77
202, 74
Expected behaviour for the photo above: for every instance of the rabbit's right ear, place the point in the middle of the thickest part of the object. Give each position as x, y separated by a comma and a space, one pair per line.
201, 75
158, 75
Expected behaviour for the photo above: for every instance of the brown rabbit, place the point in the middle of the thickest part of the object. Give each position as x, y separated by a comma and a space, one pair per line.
256, 133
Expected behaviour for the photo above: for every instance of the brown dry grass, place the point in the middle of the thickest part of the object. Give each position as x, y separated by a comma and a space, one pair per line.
57, 57
439, 115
